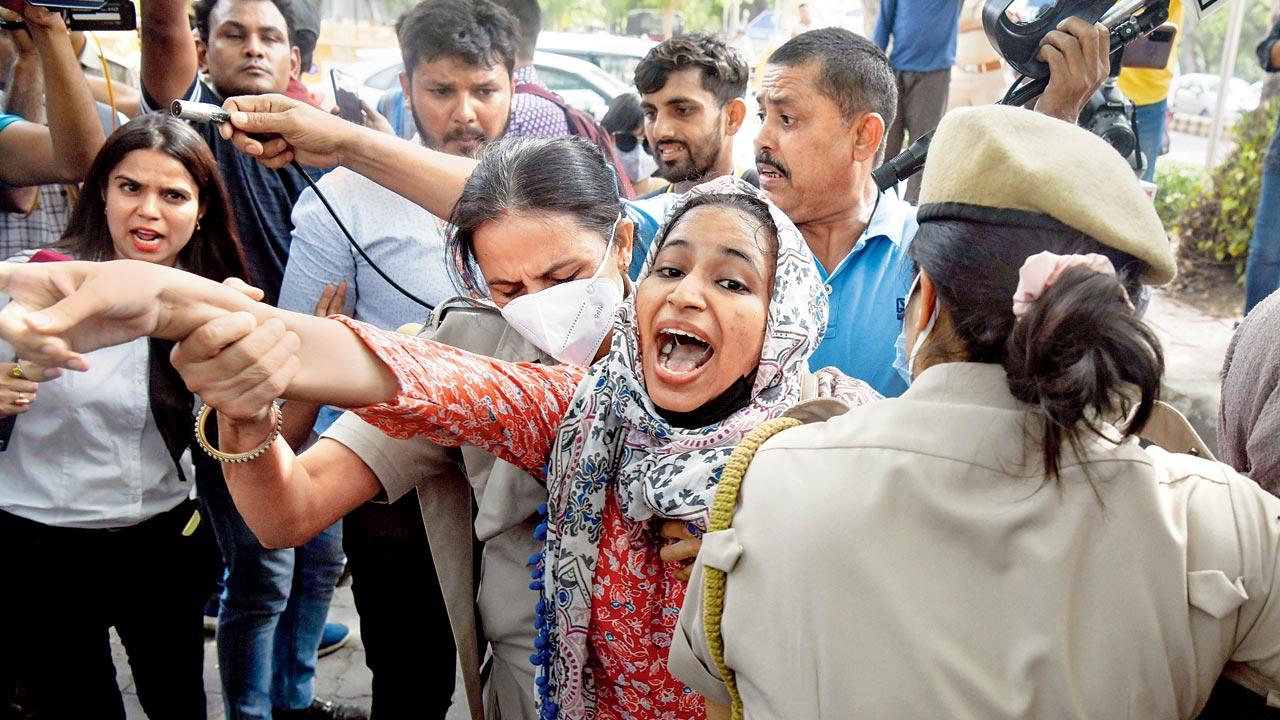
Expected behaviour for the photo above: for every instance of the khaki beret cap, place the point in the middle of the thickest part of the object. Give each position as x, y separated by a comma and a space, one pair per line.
1011, 166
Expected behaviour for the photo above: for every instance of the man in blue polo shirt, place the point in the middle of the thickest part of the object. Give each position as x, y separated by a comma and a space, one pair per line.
827, 96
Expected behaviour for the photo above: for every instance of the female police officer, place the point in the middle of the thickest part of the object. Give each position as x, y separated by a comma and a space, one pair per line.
995, 543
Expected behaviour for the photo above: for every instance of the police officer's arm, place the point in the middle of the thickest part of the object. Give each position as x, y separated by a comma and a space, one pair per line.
169, 58
287, 500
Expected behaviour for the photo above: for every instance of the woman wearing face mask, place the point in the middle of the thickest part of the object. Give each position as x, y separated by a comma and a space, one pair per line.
95, 488
995, 543
713, 341
538, 246
625, 121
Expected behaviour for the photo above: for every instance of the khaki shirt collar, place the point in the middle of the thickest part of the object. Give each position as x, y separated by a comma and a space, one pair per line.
964, 383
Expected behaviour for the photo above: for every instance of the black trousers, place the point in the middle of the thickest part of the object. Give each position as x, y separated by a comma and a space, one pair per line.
403, 622
66, 587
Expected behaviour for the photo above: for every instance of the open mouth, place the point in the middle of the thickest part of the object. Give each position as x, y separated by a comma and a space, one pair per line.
770, 172
680, 352
146, 240
669, 151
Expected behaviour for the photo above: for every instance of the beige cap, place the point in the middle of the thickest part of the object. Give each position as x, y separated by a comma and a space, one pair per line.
1008, 165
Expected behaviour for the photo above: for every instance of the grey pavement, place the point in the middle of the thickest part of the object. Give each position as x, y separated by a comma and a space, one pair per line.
1190, 149
1194, 347
340, 676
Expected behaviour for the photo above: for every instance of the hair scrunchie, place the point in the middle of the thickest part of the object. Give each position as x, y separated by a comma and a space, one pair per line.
1042, 270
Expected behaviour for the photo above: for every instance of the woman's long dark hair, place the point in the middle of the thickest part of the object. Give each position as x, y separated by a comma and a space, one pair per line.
213, 251
1080, 354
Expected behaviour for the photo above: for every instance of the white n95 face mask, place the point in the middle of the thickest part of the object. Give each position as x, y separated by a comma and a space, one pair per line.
569, 321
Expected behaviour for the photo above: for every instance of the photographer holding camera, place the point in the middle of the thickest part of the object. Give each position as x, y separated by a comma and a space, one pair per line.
31, 154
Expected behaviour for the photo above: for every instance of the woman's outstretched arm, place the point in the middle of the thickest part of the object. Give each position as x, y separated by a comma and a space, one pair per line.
450, 396
64, 309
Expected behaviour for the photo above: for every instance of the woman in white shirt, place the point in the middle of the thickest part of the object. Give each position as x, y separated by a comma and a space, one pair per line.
96, 515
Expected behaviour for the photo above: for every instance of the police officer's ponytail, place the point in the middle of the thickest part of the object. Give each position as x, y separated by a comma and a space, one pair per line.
1079, 354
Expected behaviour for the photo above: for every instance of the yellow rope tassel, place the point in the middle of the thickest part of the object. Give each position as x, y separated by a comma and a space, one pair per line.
106, 75
721, 518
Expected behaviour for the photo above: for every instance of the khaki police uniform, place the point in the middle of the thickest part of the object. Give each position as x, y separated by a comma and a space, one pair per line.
907, 559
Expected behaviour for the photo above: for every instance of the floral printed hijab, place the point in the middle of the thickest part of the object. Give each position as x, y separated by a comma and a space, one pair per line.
614, 440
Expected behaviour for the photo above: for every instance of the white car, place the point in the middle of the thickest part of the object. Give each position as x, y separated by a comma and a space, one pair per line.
1197, 94
580, 83
617, 55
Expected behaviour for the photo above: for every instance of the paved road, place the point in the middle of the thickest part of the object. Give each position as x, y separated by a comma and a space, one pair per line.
341, 675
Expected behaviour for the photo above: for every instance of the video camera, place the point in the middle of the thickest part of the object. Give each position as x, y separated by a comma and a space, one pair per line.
83, 15
1108, 114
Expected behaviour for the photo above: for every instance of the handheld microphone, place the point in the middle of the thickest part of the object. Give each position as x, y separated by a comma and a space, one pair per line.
199, 112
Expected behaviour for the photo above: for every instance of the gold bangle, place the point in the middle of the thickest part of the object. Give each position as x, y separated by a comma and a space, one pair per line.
277, 419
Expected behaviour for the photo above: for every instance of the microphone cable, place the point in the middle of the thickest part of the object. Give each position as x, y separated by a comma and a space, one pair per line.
347, 233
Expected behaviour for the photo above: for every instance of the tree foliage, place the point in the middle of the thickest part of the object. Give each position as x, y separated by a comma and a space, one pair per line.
1200, 49
1217, 222
578, 15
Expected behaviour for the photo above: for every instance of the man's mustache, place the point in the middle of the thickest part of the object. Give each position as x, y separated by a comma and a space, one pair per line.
764, 158
464, 133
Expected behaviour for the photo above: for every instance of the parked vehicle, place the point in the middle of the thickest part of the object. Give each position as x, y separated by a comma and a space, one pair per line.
1197, 94
581, 84
614, 54
762, 29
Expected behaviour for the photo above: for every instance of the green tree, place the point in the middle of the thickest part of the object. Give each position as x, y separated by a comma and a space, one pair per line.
572, 14
1202, 42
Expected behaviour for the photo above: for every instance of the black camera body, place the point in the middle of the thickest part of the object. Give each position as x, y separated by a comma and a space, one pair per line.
1110, 116
1018, 43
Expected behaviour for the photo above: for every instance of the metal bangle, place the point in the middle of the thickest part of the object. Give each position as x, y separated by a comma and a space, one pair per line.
277, 420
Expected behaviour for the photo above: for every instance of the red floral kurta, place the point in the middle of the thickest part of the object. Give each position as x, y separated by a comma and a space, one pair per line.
513, 410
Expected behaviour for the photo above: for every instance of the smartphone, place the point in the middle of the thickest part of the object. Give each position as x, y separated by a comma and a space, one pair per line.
1151, 50
344, 94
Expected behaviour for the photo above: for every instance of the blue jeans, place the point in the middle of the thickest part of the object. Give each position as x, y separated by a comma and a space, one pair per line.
1150, 135
1262, 273
274, 607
